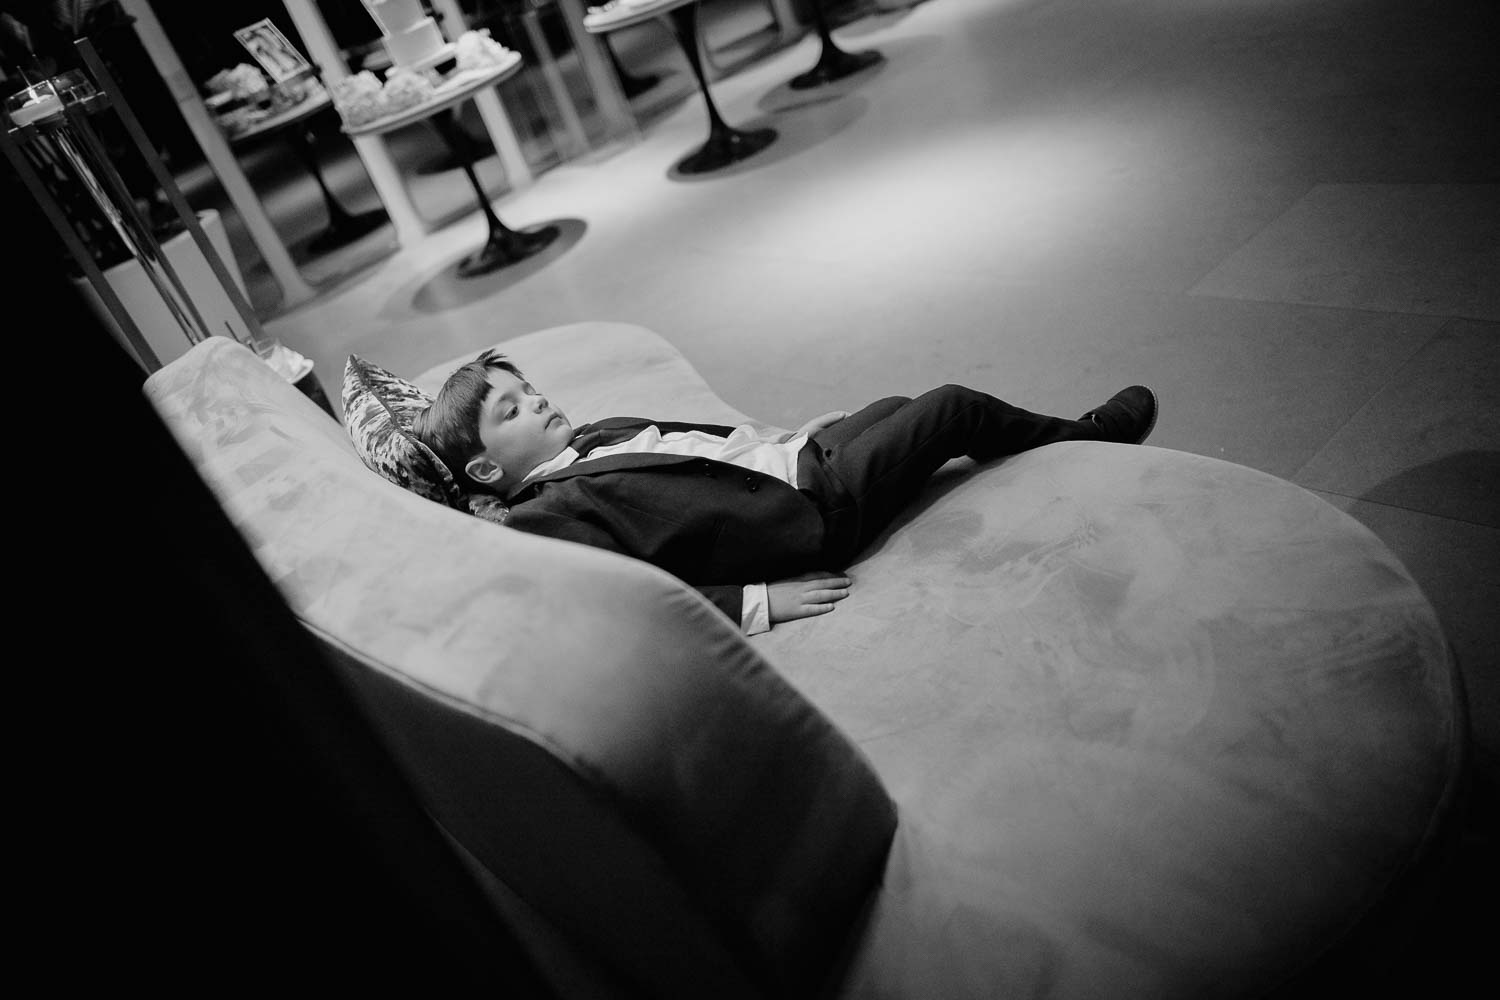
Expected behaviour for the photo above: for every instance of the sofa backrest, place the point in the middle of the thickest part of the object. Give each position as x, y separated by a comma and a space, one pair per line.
616, 763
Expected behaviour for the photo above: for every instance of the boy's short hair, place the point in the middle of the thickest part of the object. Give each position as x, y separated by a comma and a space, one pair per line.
450, 426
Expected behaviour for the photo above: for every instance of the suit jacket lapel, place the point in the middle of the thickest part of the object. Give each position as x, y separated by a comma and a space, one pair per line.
614, 430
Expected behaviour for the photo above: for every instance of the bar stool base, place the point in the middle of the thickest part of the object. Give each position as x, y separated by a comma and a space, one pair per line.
506, 247
726, 146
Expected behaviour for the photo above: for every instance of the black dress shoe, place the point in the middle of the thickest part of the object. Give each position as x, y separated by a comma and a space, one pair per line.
1128, 417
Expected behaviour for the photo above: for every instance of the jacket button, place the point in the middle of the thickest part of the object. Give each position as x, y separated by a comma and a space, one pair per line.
751, 484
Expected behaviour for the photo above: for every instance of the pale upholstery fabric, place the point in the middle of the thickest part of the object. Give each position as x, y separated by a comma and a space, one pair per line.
594, 370
594, 734
1155, 724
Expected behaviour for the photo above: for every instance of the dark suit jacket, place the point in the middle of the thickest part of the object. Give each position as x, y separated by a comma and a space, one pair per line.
714, 525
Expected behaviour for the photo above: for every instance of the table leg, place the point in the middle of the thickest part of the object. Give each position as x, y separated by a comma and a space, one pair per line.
833, 62
342, 227
725, 145
505, 246
632, 85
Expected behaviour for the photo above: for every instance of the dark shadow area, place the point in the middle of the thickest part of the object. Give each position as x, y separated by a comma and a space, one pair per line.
204, 756
796, 133
944, 481
870, 19
447, 290
898, 52
333, 249
441, 160
784, 97
1464, 486
1450, 928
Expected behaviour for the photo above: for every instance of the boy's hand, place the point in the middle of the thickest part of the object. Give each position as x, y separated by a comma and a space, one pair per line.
826, 420
806, 595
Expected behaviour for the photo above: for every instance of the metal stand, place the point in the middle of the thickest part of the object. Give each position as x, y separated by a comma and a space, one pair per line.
64, 141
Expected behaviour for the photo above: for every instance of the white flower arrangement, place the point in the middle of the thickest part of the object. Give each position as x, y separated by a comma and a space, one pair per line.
477, 50
362, 98
405, 89
358, 98
242, 81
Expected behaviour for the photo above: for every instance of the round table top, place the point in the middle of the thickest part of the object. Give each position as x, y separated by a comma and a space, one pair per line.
287, 116
452, 90
624, 13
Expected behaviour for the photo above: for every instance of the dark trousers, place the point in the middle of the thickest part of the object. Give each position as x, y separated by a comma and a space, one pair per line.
865, 469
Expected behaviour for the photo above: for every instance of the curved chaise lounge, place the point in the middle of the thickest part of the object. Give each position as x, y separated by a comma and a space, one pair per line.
1096, 721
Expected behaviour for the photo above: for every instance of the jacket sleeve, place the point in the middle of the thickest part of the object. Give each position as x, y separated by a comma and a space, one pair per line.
727, 598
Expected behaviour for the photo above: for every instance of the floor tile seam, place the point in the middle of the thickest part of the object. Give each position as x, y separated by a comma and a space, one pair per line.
876, 269
1291, 203
1374, 393
1401, 507
1446, 317
776, 372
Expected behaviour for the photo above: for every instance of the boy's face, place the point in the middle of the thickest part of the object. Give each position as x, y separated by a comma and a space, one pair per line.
520, 431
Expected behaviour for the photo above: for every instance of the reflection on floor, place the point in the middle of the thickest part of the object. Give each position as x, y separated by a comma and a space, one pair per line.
1283, 216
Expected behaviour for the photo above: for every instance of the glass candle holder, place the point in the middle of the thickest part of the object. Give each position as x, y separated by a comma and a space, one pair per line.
73, 86
37, 102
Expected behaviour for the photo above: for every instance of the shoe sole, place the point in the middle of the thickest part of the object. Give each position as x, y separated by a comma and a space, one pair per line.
1154, 410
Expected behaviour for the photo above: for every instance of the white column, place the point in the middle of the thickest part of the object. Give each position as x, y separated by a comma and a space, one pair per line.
785, 17
216, 150
491, 111
384, 174
613, 105
572, 126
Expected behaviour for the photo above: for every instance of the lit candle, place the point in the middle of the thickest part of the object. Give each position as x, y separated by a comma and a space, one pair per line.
38, 105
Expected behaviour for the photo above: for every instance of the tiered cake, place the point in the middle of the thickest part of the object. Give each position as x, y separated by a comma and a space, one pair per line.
411, 38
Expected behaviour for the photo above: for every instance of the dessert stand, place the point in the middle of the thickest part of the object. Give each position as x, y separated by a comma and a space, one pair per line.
725, 145
504, 246
56, 135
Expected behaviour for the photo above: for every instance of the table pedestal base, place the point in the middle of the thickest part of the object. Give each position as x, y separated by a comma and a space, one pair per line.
726, 146
505, 247
833, 62
344, 228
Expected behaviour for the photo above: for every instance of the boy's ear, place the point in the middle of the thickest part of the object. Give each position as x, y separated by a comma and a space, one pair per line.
483, 469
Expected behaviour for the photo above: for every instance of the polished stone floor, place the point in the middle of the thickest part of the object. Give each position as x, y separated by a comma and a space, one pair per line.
1283, 215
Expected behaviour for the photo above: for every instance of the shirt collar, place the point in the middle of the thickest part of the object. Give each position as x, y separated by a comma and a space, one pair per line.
562, 460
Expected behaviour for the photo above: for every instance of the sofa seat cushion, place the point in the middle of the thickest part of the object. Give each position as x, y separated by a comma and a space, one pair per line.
1157, 725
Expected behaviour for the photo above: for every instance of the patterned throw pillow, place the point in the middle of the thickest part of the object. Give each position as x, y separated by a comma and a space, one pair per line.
379, 409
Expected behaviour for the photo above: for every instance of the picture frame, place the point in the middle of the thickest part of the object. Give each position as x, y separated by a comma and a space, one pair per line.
271, 49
